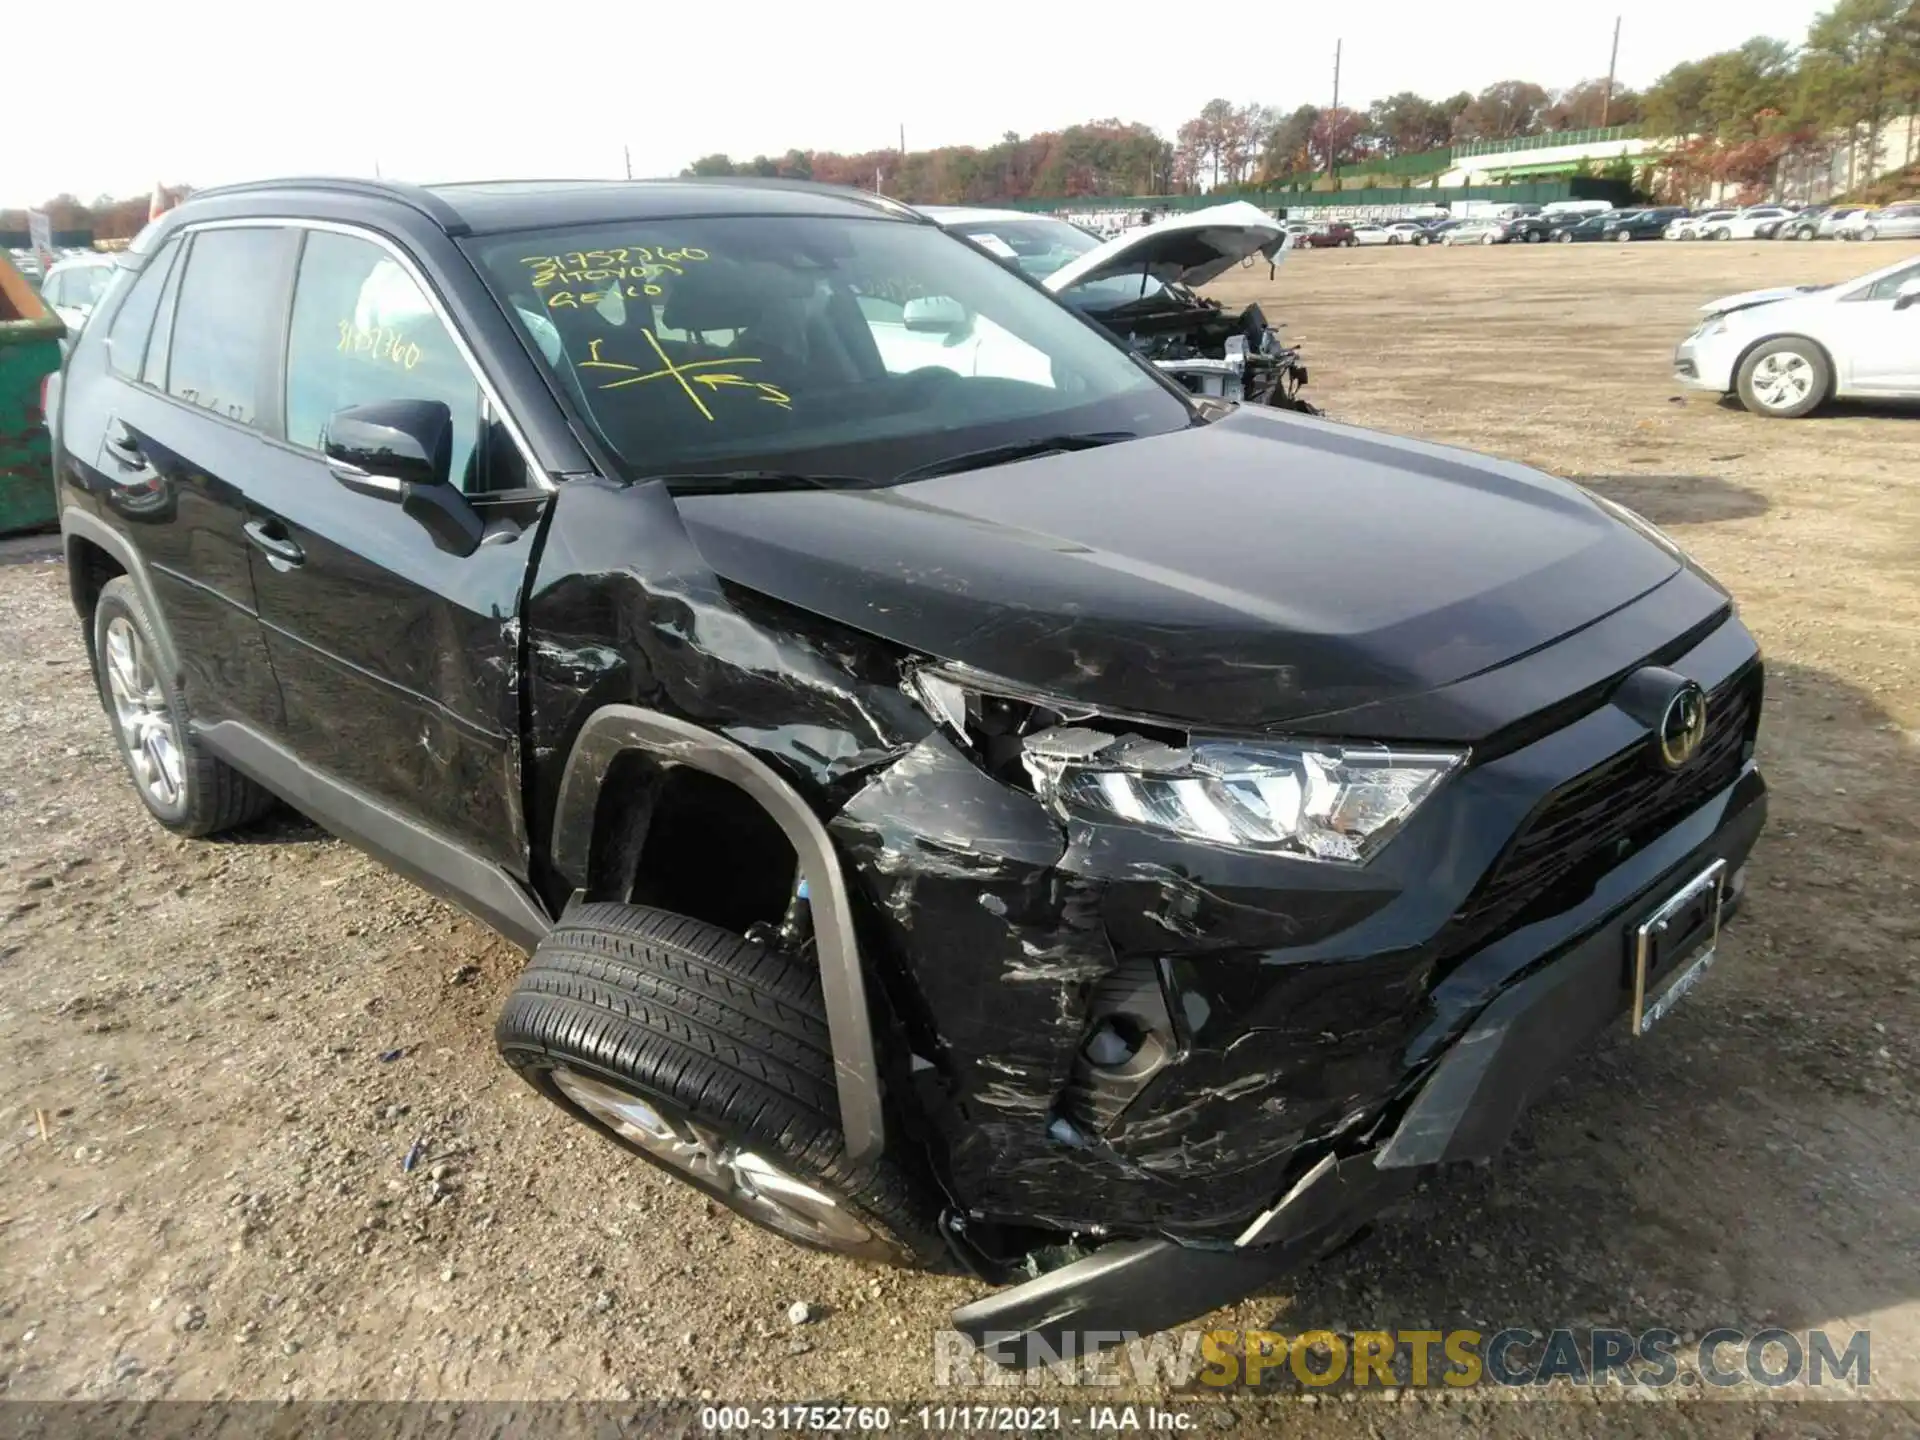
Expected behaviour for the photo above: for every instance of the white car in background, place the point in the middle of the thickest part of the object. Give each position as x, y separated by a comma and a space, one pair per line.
1747, 224
1786, 352
1694, 227
1368, 233
73, 287
1406, 232
1140, 286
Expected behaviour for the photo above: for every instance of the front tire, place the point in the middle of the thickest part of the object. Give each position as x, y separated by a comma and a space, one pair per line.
1868, 232
186, 789
1419, 239
1563, 238
1621, 237
707, 1055
1784, 379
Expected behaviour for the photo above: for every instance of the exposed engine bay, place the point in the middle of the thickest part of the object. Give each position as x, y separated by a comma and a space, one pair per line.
1143, 285
1229, 355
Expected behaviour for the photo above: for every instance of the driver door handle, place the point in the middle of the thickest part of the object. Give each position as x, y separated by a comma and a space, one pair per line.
270, 537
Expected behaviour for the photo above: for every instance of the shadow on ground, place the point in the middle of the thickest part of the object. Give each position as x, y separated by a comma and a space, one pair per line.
1679, 499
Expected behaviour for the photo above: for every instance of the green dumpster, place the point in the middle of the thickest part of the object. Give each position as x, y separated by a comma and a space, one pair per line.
30, 336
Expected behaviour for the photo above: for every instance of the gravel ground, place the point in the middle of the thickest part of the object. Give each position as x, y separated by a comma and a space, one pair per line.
215, 1055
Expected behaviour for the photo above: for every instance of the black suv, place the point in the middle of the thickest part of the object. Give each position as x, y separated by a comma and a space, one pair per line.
969, 803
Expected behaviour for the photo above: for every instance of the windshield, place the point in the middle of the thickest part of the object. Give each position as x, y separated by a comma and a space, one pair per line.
836, 347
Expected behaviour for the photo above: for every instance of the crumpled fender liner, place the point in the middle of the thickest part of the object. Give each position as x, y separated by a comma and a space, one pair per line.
613, 729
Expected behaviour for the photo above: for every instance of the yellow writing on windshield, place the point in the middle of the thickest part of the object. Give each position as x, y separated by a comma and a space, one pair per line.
639, 267
381, 342
693, 376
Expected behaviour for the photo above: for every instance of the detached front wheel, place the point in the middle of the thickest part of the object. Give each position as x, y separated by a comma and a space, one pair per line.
707, 1055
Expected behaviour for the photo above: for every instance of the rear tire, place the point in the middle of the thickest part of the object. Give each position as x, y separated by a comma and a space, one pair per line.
707, 1055
1784, 379
186, 789
1621, 237
1723, 233
1564, 238
1868, 232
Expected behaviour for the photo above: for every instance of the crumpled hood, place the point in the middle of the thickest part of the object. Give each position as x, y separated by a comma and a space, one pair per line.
1240, 574
1747, 299
1190, 249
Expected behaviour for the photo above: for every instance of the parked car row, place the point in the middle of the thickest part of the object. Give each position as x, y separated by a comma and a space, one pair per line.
1571, 226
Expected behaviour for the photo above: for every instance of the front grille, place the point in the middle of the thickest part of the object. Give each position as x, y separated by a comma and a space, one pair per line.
1593, 822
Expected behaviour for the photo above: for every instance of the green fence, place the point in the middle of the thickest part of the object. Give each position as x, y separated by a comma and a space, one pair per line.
1546, 142
1541, 192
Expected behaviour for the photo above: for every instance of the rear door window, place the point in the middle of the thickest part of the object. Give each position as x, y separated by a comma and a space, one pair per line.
133, 322
226, 316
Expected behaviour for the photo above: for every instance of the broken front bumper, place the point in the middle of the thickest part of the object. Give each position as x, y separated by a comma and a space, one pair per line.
1463, 1109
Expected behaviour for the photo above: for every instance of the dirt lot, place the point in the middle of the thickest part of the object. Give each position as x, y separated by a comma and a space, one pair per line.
217, 1205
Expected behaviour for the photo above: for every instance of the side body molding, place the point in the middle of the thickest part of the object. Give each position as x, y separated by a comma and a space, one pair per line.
616, 728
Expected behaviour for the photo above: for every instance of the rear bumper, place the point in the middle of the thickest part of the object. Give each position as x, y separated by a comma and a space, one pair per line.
1464, 1108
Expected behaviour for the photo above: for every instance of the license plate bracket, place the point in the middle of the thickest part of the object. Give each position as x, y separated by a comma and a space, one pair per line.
1670, 950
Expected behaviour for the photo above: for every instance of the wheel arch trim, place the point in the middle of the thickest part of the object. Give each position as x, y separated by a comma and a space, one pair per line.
615, 729
78, 524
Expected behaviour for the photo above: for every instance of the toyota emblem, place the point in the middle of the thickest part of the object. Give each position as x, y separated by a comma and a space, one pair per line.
1683, 725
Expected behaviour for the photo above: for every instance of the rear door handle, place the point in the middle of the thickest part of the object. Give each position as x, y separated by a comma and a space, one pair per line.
121, 444
270, 537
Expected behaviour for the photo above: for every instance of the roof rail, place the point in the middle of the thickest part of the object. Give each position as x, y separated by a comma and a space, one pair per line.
869, 198
416, 197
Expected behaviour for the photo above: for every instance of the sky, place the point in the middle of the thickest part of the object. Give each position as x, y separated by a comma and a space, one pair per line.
211, 91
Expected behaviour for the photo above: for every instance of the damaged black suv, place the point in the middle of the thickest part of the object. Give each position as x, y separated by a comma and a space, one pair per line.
969, 802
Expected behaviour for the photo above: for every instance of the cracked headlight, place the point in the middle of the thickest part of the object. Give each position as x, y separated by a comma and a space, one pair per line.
1319, 801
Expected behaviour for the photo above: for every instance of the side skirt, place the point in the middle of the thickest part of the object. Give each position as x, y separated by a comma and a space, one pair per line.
479, 887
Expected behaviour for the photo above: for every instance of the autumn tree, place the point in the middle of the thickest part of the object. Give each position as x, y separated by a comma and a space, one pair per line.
1589, 106
1503, 111
1407, 124
1287, 149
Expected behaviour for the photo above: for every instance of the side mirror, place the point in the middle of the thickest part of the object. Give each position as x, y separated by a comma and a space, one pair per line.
1908, 295
402, 450
937, 315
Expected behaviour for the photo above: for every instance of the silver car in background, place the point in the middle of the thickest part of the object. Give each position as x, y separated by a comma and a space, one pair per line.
1895, 222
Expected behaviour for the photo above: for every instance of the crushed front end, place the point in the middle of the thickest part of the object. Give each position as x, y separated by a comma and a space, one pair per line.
1188, 1060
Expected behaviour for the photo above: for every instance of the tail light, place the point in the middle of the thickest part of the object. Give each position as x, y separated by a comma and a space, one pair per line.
46, 384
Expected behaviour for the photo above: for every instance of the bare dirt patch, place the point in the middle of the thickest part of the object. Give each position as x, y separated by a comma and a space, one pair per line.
230, 1047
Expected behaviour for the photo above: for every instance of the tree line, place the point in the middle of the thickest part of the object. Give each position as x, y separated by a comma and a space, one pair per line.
1746, 117
1750, 118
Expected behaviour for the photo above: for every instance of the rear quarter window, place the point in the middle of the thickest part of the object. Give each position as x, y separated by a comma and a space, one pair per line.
133, 322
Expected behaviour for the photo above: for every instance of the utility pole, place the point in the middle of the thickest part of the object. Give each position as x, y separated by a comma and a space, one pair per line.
1332, 114
1613, 61
627, 150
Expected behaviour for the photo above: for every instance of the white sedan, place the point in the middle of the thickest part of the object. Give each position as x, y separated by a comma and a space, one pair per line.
1697, 227
1745, 224
1786, 352
1407, 232
1371, 234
